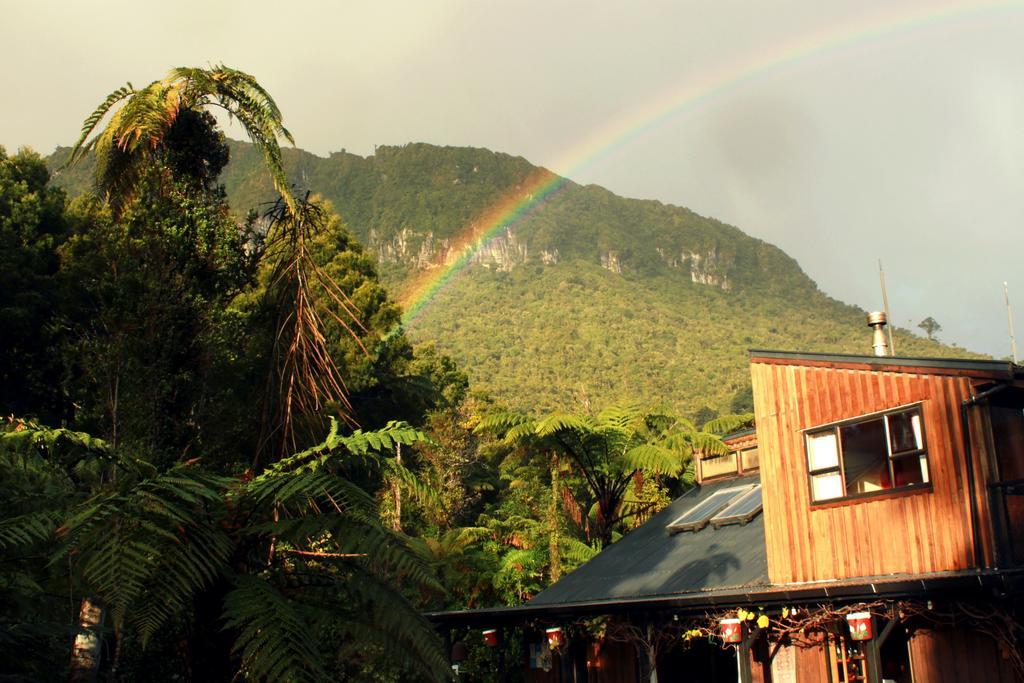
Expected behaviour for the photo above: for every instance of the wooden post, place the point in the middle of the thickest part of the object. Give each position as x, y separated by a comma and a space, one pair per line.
874, 653
743, 658
502, 677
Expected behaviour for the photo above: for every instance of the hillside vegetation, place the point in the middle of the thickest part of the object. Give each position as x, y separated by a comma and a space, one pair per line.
590, 297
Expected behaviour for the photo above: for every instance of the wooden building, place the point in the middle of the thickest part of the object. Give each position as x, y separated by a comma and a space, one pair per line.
879, 498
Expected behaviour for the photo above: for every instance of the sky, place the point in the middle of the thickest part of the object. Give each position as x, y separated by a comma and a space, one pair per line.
842, 132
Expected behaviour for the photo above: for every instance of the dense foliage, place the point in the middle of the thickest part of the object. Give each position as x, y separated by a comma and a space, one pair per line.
152, 528
589, 297
224, 458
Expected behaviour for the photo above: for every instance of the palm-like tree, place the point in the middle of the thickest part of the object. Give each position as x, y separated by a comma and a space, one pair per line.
608, 451
142, 120
147, 130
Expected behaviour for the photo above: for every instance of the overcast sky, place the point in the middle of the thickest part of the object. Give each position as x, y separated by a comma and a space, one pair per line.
840, 131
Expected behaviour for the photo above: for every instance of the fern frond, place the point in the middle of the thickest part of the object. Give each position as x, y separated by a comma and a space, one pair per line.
135, 130
654, 458
575, 552
93, 120
620, 416
126, 540
501, 422
27, 529
366, 610
708, 444
342, 449
728, 423
273, 640
558, 422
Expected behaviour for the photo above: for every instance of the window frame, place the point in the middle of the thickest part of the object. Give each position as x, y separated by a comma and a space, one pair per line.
738, 471
674, 527
747, 470
734, 472
834, 428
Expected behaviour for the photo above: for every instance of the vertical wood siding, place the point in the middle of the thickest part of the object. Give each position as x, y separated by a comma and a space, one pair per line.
919, 532
955, 656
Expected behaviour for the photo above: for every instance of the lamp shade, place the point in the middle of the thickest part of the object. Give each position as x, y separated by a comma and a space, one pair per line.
555, 637
860, 625
731, 630
491, 637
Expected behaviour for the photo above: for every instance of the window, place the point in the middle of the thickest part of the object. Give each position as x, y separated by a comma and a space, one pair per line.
712, 466
749, 459
697, 517
867, 455
741, 509
734, 463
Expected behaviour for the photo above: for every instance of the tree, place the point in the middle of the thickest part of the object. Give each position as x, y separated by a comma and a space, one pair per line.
294, 561
166, 522
144, 126
147, 302
609, 451
930, 327
33, 225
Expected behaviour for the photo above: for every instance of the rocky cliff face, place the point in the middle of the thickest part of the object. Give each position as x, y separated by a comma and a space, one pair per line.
502, 252
424, 251
706, 268
507, 250
610, 261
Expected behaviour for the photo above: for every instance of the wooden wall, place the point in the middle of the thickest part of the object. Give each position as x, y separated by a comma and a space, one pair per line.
919, 532
955, 656
607, 662
948, 656
612, 662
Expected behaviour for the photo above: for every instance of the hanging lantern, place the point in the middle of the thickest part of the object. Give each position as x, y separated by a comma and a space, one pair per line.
491, 637
731, 630
860, 625
556, 638
459, 652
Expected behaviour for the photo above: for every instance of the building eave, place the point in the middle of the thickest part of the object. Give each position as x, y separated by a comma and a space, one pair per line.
967, 367
952, 584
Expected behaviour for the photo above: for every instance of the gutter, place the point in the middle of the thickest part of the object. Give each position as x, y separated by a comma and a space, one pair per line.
863, 590
965, 407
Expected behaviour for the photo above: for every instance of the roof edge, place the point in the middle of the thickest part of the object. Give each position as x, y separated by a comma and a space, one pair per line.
997, 369
850, 590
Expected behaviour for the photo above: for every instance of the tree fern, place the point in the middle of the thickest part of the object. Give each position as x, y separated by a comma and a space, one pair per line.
608, 450
140, 119
148, 545
273, 641
149, 548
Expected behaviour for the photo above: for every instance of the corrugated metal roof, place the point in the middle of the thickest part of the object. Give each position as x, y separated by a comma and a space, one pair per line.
996, 368
650, 562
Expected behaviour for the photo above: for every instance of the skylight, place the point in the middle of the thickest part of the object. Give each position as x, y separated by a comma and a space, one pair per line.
741, 510
697, 517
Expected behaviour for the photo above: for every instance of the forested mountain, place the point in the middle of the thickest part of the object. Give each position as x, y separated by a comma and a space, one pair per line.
585, 297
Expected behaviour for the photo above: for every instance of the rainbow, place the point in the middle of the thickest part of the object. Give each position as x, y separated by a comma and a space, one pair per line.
527, 197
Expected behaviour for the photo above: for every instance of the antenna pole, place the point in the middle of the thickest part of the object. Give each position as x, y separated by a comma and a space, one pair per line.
1009, 322
885, 305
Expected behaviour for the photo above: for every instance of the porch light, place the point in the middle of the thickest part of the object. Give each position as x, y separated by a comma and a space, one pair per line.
860, 625
491, 637
556, 638
731, 630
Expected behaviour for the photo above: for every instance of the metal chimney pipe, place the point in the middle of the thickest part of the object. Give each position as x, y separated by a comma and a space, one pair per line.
877, 321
